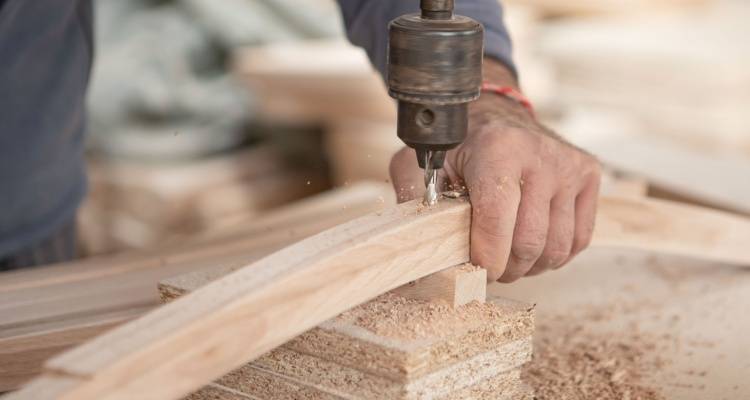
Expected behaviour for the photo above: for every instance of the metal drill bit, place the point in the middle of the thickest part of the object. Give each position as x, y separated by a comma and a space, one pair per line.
430, 181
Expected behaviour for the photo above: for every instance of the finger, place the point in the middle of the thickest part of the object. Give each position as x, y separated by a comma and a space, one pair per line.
407, 177
494, 198
585, 215
530, 233
560, 234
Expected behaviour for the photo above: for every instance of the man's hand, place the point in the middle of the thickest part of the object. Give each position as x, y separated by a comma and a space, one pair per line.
533, 195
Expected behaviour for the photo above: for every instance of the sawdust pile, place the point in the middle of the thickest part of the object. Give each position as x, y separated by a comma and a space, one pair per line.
570, 363
397, 317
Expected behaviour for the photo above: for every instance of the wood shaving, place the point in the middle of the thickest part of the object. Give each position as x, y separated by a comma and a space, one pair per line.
397, 317
571, 363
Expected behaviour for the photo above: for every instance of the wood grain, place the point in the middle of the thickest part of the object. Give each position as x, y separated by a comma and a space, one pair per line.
197, 338
455, 285
46, 310
673, 228
239, 317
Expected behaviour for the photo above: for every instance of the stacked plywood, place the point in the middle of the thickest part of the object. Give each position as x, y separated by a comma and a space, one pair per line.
392, 347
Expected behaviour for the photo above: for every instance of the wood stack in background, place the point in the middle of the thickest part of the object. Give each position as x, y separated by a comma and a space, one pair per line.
135, 204
682, 75
332, 84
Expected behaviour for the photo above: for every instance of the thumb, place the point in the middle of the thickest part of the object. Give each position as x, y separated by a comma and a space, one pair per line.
407, 177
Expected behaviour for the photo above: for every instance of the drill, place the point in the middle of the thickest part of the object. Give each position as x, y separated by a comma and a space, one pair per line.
434, 71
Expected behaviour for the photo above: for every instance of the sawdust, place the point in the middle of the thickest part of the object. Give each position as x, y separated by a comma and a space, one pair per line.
572, 363
393, 316
468, 267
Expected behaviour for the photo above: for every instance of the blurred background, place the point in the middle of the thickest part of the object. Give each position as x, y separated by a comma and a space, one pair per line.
205, 114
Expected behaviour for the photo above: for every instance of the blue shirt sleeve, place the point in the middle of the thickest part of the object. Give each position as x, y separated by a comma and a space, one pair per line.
366, 23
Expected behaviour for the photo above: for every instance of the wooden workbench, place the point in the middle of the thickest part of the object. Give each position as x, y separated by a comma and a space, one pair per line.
691, 318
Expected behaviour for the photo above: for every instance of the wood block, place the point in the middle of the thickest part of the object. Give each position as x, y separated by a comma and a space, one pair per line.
456, 285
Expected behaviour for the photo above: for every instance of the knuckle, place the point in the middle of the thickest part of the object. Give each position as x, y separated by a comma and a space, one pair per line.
591, 167
527, 250
491, 205
491, 229
556, 257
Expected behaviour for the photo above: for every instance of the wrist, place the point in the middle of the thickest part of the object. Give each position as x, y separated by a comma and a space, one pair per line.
498, 109
498, 73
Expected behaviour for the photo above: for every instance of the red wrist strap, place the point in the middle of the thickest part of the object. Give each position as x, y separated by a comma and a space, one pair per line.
510, 93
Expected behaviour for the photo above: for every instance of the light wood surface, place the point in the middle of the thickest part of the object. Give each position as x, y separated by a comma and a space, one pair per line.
390, 348
691, 314
314, 81
456, 286
197, 338
46, 310
715, 179
253, 310
673, 228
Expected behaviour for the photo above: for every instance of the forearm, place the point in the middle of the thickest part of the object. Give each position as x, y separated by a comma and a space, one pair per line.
366, 24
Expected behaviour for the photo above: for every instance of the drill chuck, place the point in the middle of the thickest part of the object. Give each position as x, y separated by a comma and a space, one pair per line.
434, 71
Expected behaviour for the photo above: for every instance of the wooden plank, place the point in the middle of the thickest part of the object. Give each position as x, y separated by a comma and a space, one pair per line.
706, 178
319, 278
80, 287
673, 228
456, 286
46, 310
22, 355
195, 339
45, 386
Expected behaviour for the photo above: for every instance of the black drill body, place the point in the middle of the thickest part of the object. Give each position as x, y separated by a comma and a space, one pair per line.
434, 71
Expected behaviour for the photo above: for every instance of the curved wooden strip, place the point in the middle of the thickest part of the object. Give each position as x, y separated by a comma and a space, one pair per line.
673, 228
181, 346
197, 338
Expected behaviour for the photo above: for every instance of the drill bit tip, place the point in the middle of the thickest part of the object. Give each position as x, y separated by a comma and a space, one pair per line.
430, 182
